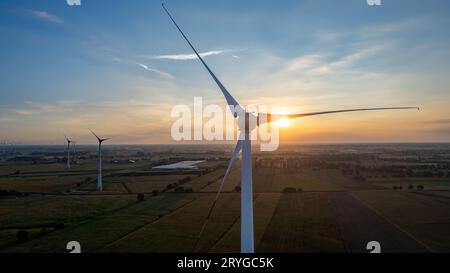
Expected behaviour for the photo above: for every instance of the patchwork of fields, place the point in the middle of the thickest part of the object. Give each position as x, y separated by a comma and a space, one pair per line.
296, 209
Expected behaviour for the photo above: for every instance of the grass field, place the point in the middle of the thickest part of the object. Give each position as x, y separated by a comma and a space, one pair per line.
276, 180
360, 224
302, 222
96, 232
44, 211
178, 231
264, 207
48, 184
425, 217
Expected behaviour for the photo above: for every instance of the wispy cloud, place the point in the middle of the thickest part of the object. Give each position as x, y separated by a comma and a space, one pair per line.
22, 112
157, 71
305, 61
36, 108
185, 57
45, 16
375, 31
130, 62
318, 65
43, 107
6, 119
438, 121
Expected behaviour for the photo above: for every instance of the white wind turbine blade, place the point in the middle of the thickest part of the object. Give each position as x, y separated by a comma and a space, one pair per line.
230, 100
99, 139
105, 139
234, 155
267, 118
236, 152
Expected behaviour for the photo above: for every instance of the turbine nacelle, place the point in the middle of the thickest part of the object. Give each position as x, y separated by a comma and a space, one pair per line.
68, 140
100, 140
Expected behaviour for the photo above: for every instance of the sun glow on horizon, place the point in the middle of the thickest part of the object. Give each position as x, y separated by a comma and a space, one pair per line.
283, 122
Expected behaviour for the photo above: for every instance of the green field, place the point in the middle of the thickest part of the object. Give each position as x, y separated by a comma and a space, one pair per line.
96, 232
426, 217
302, 222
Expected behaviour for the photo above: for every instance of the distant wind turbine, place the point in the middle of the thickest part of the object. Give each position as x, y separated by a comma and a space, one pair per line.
69, 141
99, 162
244, 145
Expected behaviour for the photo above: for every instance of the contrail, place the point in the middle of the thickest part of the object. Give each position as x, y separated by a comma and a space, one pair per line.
185, 57
162, 73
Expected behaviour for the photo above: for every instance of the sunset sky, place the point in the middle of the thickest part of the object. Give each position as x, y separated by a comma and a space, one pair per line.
119, 67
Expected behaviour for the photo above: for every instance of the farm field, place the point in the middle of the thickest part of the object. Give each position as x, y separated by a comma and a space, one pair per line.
264, 207
306, 199
302, 222
424, 217
360, 225
96, 232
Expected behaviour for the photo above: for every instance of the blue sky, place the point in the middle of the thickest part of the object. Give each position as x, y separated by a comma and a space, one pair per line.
120, 66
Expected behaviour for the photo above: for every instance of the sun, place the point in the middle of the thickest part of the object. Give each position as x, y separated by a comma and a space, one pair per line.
283, 122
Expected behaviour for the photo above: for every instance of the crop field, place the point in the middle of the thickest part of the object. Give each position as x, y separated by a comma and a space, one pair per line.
302, 222
142, 184
158, 236
306, 199
40, 211
275, 180
361, 224
264, 207
97, 232
424, 217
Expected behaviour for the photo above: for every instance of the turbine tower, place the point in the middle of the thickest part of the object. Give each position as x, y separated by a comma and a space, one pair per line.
99, 161
69, 141
74, 158
244, 144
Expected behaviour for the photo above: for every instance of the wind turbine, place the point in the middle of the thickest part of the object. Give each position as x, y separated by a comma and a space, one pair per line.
68, 151
244, 145
99, 162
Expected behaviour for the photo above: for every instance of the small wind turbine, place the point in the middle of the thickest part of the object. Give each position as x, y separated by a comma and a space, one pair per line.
68, 151
244, 145
99, 162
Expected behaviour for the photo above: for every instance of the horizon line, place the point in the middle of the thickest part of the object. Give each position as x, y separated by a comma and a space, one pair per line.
284, 144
